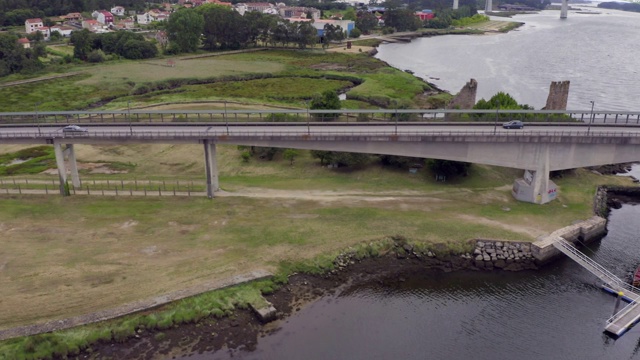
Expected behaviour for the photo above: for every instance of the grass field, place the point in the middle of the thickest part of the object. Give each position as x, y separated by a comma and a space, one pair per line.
111, 251
296, 76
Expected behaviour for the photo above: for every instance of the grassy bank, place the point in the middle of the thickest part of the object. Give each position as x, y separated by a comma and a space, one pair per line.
293, 78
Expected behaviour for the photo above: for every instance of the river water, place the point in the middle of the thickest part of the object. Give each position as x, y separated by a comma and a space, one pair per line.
598, 53
554, 313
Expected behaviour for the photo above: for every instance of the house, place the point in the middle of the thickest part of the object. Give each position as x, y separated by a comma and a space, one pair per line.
30, 25
425, 14
65, 31
91, 25
25, 43
104, 17
158, 15
73, 16
144, 19
288, 12
46, 32
117, 11
259, 6
218, 2
127, 23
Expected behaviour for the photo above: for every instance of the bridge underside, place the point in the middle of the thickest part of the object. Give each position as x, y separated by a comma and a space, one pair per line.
536, 155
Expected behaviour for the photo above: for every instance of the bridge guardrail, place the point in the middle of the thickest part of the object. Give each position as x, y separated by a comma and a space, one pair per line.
301, 133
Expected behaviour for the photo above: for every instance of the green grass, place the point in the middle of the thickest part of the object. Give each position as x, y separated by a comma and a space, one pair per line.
33, 161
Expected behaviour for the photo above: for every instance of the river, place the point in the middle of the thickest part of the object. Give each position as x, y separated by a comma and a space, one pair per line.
554, 313
598, 53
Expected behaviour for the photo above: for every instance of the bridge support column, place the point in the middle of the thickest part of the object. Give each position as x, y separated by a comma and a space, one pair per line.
488, 6
564, 8
62, 171
73, 166
211, 167
535, 186
455, 4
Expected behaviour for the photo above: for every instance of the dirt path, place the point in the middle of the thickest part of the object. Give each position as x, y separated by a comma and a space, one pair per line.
44, 78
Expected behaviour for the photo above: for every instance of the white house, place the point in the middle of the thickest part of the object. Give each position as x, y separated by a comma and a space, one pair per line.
144, 19
65, 31
30, 25
117, 10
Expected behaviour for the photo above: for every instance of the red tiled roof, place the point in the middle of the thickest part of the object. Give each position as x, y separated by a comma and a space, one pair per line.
33, 21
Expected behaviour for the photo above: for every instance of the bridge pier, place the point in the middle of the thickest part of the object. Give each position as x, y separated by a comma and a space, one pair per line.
488, 6
455, 4
62, 169
535, 186
211, 167
564, 8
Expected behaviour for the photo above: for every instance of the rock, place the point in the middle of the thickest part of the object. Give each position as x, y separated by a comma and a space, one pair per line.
486, 258
480, 244
266, 313
498, 244
500, 264
479, 258
490, 251
430, 254
477, 252
408, 247
499, 252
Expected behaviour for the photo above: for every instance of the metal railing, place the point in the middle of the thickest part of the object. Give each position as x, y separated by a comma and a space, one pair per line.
278, 132
603, 274
304, 115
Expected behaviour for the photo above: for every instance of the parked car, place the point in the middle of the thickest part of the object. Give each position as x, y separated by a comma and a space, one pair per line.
514, 124
74, 129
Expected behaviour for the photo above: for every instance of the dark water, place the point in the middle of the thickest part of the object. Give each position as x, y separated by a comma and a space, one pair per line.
599, 54
555, 313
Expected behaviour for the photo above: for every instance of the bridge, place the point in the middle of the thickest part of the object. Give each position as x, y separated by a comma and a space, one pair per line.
551, 140
622, 320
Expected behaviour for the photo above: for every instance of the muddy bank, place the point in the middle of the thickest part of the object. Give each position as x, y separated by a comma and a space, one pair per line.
242, 330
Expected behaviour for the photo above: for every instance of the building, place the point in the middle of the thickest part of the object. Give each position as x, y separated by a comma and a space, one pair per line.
425, 14
289, 12
46, 32
104, 17
30, 25
91, 25
73, 16
118, 10
25, 43
65, 31
346, 25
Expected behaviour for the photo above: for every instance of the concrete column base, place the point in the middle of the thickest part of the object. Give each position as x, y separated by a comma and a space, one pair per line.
564, 8
211, 167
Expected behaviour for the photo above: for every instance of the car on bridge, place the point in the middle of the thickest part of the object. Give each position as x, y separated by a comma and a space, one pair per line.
514, 124
74, 129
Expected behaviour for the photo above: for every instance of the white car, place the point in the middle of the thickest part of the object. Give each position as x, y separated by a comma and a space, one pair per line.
74, 129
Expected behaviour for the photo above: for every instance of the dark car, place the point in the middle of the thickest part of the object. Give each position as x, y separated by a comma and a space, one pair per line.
74, 129
514, 124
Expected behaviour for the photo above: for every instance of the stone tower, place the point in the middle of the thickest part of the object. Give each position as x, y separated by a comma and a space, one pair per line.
558, 95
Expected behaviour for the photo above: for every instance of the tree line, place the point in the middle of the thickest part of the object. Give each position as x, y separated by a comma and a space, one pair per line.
219, 27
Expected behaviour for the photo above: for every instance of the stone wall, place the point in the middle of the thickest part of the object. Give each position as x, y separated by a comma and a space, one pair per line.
558, 95
506, 255
584, 231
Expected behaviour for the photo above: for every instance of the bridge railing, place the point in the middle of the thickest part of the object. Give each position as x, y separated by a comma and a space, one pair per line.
388, 131
304, 115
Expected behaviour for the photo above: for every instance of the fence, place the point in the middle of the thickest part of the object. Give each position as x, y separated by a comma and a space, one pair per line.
107, 187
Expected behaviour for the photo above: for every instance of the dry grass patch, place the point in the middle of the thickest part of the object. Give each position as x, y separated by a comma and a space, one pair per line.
156, 69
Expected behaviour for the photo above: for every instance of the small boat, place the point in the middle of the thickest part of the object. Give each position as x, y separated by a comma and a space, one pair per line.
636, 277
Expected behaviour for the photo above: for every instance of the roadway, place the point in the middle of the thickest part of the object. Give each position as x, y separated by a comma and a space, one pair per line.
217, 129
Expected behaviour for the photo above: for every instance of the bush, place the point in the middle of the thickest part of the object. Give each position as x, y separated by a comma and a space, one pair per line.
96, 56
355, 33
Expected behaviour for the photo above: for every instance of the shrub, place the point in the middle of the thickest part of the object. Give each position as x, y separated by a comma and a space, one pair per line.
355, 33
96, 56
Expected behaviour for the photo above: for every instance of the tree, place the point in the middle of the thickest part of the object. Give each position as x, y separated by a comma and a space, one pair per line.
224, 28
341, 158
183, 29
349, 14
402, 20
96, 56
355, 33
81, 41
290, 154
306, 35
366, 21
329, 100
